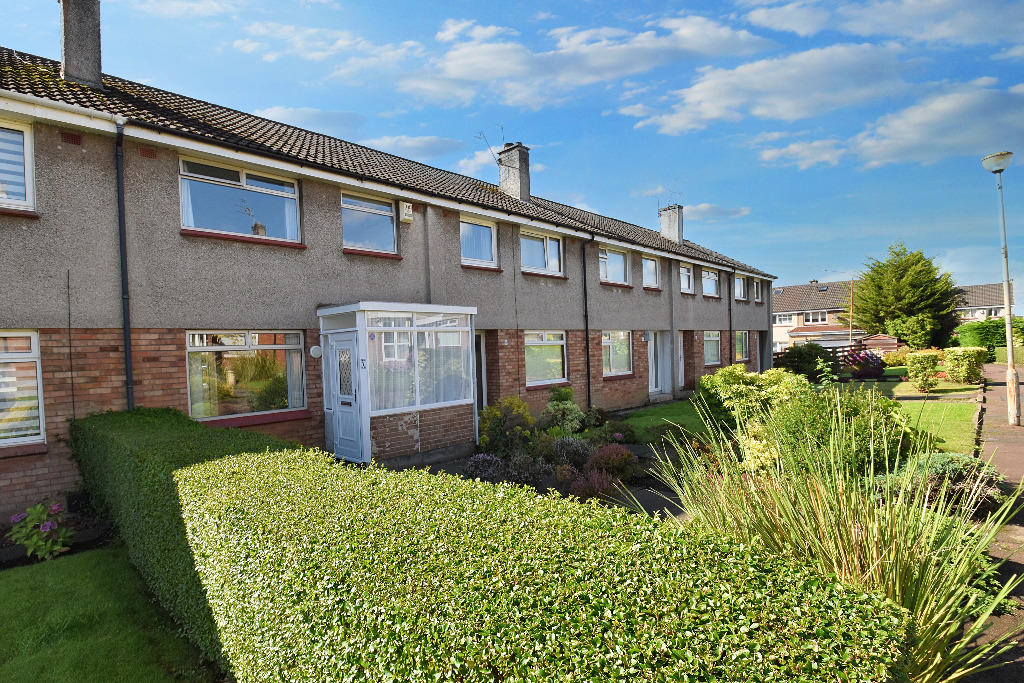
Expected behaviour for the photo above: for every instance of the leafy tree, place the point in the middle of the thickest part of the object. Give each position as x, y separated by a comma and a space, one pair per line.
907, 294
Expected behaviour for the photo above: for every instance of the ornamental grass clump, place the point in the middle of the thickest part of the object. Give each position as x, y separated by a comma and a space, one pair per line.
912, 538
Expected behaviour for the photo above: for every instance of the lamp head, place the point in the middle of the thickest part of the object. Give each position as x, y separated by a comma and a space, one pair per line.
997, 163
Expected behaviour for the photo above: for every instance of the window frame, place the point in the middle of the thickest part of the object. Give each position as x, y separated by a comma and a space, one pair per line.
717, 279
602, 258
547, 342
28, 150
657, 271
393, 214
558, 269
758, 290
613, 372
247, 346
479, 222
824, 315
742, 350
777, 319
715, 336
740, 282
32, 356
682, 288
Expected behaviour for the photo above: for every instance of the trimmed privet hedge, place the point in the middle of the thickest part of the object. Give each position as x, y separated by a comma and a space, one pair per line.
322, 572
127, 462
964, 363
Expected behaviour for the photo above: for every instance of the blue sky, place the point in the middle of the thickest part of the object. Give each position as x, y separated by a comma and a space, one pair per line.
801, 136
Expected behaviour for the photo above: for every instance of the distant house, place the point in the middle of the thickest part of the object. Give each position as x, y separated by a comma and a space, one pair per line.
982, 302
810, 313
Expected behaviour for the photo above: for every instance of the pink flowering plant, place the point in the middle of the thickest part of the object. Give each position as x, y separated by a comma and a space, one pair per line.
41, 529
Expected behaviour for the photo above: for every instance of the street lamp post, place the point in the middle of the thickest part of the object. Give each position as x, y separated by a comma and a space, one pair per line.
997, 163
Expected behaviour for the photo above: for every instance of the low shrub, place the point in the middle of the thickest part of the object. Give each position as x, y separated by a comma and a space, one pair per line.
595, 417
128, 462
964, 364
614, 431
522, 468
484, 466
571, 450
967, 478
616, 460
593, 484
1000, 354
563, 414
505, 426
803, 360
921, 370
320, 572
733, 391
866, 365
896, 358
41, 530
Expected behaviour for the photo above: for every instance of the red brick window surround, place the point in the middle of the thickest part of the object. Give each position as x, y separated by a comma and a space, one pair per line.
545, 353
616, 353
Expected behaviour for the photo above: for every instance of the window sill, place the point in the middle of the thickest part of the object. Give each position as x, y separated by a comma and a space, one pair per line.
22, 213
370, 252
611, 378
252, 239
489, 269
653, 289
553, 276
542, 387
712, 296
23, 449
616, 284
712, 365
258, 419
688, 293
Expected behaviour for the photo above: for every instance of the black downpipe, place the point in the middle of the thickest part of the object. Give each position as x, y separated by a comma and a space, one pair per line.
586, 316
732, 345
122, 234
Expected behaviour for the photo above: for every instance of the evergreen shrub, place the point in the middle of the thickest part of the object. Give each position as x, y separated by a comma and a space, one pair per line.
989, 333
964, 363
921, 369
803, 360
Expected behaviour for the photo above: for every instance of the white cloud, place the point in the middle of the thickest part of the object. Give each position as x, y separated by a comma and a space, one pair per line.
768, 136
376, 58
186, 8
801, 18
342, 124
804, 155
419, 148
787, 88
541, 16
306, 43
478, 160
960, 22
976, 265
453, 29
248, 46
652, 192
1016, 52
713, 213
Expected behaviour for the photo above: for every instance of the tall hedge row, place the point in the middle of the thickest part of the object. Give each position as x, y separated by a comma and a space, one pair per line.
989, 333
127, 462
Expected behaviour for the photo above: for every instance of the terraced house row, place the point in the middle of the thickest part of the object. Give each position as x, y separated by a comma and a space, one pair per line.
157, 250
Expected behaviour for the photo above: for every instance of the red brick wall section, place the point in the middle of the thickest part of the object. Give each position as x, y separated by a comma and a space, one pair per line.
417, 432
617, 392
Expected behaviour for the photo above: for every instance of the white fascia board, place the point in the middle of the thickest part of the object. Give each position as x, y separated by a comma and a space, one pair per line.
395, 307
38, 108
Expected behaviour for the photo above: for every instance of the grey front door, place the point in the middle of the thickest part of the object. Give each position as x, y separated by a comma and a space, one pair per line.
342, 398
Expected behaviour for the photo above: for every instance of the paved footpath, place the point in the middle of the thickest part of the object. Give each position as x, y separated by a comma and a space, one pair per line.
1004, 445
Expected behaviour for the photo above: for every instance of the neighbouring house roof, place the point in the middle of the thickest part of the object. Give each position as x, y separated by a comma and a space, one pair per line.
823, 329
980, 296
813, 296
144, 105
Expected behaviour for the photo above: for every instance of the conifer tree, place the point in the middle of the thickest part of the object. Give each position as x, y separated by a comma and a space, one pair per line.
906, 295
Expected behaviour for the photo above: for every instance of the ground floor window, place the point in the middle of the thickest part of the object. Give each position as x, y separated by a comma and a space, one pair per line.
418, 359
545, 357
742, 345
712, 348
617, 352
237, 373
21, 415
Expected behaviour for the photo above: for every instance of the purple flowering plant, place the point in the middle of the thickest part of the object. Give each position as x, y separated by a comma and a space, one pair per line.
41, 529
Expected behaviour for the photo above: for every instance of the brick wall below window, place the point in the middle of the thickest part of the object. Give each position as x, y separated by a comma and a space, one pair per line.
392, 436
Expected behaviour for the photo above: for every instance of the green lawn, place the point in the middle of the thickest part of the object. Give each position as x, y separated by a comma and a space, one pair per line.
87, 617
897, 389
682, 413
952, 423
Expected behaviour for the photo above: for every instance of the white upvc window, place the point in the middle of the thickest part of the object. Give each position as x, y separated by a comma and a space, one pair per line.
709, 282
758, 290
368, 224
545, 357
712, 348
815, 317
17, 174
782, 319
740, 287
244, 372
21, 388
686, 279
540, 253
228, 199
614, 266
742, 345
617, 352
479, 242
652, 273
779, 347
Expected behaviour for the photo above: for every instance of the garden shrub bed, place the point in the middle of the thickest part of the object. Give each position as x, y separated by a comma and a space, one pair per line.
127, 461
319, 571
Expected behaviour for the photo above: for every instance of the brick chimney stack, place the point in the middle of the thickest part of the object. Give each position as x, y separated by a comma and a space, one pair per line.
514, 170
671, 220
80, 42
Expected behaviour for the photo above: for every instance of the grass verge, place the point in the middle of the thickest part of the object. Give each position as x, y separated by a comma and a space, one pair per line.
86, 617
951, 423
647, 420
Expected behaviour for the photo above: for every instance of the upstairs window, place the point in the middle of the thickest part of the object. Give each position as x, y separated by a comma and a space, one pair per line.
815, 317
16, 166
541, 253
614, 266
652, 273
479, 244
709, 282
234, 200
686, 279
21, 415
782, 319
368, 224
758, 291
741, 287
617, 352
